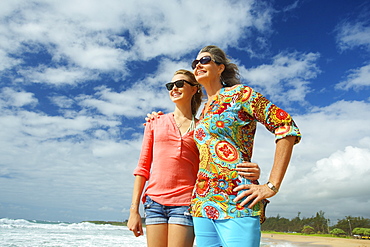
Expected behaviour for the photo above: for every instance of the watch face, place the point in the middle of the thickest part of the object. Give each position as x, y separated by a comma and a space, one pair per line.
271, 186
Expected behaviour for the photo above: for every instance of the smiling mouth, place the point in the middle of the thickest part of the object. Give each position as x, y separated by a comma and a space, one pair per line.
199, 72
175, 94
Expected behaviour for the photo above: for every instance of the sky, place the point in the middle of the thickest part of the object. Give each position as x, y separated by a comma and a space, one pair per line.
78, 78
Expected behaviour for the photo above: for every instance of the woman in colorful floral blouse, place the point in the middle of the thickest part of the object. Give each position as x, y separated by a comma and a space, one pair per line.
224, 215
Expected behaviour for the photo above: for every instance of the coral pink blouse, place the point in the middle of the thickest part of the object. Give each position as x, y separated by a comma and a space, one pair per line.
169, 161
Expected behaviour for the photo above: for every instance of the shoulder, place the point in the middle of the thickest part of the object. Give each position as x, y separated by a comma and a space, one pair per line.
160, 120
239, 91
238, 88
164, 117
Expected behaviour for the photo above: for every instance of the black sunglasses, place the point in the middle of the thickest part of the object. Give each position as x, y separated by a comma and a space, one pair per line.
203, 60
179, 84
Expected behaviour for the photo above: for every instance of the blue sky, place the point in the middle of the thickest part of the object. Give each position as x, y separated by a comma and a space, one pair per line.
77, 79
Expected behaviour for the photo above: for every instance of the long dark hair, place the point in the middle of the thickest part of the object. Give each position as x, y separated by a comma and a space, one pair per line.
230, 75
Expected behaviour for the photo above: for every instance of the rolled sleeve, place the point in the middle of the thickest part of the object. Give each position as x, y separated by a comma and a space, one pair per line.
146, 155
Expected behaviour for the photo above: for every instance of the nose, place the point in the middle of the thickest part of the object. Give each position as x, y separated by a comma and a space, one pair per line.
198, 63
196, 66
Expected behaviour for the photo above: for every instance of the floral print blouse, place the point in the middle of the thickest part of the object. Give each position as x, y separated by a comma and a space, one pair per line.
224, 136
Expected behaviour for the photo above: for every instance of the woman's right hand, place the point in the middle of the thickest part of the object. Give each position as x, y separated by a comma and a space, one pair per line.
135, 225
153, 115
249, 170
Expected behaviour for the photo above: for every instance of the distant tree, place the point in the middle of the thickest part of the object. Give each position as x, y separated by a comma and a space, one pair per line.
349, 223
319, 223
367, 232
308, 230
361, 231
296, 224
337, 232
277, 223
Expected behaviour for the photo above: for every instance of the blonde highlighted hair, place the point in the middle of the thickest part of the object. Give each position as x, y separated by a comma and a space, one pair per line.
196, 100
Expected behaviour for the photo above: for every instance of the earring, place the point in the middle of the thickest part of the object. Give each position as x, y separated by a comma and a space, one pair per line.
224, 84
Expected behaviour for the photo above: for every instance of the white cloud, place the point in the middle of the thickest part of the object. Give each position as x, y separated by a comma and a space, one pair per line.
105, 36
67, 175
62, 101
353, 34
18, 99
335, 183
21, 123
286, 79
140, 98
292, 6
340, 167
134, 102
58, 76
7, 62
66, 163
329, 168
357, 79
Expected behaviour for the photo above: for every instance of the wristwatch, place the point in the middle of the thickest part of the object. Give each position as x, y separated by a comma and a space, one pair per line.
272, 187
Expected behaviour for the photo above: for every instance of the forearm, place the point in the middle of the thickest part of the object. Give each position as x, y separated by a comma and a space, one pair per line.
283, 153
136, 193
134, 222
255, 193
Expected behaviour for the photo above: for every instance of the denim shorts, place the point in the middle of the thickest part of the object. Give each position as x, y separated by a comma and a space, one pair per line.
156, 213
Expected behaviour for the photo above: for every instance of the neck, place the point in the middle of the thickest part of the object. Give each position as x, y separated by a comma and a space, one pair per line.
212, 89
183, 111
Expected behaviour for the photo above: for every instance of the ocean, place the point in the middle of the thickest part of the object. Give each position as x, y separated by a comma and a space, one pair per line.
32, 233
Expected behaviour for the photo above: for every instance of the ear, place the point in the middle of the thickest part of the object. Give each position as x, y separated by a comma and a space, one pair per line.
195, 89
221, 68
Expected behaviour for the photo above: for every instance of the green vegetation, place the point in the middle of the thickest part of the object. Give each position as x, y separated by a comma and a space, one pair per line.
308, 230
318, 224
337, 232
360, 232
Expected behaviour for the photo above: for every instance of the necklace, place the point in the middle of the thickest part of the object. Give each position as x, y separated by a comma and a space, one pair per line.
181, 123
191, 125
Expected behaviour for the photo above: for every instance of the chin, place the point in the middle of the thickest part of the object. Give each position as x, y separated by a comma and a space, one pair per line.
200, 77
175, 99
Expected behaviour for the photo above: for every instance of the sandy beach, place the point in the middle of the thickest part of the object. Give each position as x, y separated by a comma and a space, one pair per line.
313, 241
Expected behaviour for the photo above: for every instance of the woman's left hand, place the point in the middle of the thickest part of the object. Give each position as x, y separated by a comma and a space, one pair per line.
253, 193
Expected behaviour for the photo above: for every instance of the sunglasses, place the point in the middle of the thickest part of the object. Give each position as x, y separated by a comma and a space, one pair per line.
203, 60
179, 84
